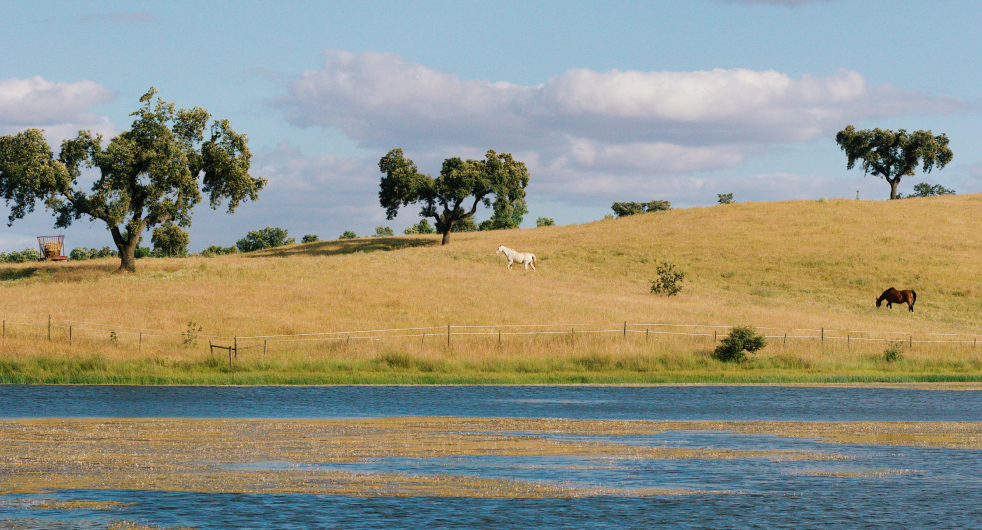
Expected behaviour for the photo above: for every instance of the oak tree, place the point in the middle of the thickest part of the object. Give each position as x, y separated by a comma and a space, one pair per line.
893, 155
147, 176
445, 198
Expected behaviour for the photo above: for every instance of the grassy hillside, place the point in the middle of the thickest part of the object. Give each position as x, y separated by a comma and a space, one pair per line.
781, 267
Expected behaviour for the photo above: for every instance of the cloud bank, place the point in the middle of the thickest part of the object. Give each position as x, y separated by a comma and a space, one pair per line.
62, 109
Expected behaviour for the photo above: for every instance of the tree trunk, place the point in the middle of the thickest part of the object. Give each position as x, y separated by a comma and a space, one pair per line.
893, 187
446, 237
126, 249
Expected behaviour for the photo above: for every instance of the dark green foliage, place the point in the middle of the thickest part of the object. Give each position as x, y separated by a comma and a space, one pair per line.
348, 234
309, 238
169, 240
544, 221
142, 252
28, 254
464, 225
216, 250
634, 208
148, 174
82, 253
422, 227
499, 176
926, 190
740, 340
725, 198
669, 282
506, 215
893, 155
268, 237
893, 352
383, 231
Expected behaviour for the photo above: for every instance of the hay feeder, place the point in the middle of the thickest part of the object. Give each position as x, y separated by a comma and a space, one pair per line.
51, 248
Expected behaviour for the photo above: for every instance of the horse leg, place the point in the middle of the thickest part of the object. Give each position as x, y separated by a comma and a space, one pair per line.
532, 263
509, 263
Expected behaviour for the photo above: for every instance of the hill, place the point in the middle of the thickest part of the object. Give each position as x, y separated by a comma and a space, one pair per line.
784, 267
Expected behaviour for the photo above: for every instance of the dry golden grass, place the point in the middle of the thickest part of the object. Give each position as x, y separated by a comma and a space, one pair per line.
778, 266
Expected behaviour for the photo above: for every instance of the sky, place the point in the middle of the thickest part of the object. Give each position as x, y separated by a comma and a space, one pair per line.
603, 101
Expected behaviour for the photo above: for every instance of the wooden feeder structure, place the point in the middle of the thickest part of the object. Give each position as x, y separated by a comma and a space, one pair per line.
52, 248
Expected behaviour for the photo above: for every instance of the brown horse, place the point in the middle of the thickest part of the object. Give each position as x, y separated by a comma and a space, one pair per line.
893, 296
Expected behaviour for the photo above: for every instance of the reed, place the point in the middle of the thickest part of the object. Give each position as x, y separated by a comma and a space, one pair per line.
780, 267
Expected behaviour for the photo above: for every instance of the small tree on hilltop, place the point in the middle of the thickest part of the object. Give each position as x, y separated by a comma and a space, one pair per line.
169, 240
498, 175
148, 174
268, 237
893, 155
633, 208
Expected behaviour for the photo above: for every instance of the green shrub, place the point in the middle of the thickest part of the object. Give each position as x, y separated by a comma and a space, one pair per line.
169, 240
79, 254
544, 221
216, 250
422, 227
309, 238
465, 225
348, 234
926, 190
725, 198
741, 339
268, 237
893, 352
383, 231
669, 282
28, 254
634, 208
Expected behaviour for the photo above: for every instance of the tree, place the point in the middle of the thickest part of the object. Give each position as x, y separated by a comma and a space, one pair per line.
383, 231
422, 227
169, 240
147, 175
309, 238
268, 237
741, 339
926, 190
893, 155
498, 175
725, 198
633, 208
544, 221
348, 234
506, 215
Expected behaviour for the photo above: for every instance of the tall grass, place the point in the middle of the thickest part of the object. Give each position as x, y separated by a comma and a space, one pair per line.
795, 264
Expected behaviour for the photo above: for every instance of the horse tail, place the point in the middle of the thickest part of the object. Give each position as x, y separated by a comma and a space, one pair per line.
913, 294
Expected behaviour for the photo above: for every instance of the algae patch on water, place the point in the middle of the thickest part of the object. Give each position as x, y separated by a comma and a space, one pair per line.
323, 456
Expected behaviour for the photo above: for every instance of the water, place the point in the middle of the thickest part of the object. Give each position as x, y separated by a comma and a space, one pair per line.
863, 487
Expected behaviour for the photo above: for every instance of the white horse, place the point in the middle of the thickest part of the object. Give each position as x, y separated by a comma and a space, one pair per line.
517, 257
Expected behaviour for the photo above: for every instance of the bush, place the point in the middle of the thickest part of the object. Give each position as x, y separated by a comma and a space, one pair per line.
893, 352
544, 221
422, 227
215, 250
383, 231
669, 282
348, 234
170, 241
634, 208
144, 252
309, 238
741, 339
82, 253
464, 225
79, 254
926, 190
268, 237
28, 254
725, 198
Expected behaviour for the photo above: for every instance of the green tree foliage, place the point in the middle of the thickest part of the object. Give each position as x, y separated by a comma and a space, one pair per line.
893, 155
669, 282
926, 190
268, 237
740, 340
466, 224
383, 231
422, 227
169, 240
443, 198
725, 198
348, 234
82, 253
309, 238
23, 256
217, 250
148, 175
506, 215
633, 208
544, 221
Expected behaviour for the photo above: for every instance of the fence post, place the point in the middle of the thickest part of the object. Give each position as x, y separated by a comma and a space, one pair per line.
646, 334
911, 343
140, 350
785, 339
236, 343
448, 335
625, 328
49, 327
499, 337
4, 329
69, 336
264, 350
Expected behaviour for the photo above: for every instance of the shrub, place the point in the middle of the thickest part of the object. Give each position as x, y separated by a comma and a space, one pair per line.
144, 252
634, 208
348, 234
383, 231
893, 352
309, 238
725, 198
28, 254
741, 339
216, 250
544, 221
926, 190
669, 282
464, 225
169, 240
422, 227
268, 237
79, 254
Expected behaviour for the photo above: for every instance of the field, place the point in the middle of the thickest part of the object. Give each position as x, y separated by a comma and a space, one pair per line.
796, 268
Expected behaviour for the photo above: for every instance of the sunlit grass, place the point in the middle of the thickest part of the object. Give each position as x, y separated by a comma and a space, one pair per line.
777, 266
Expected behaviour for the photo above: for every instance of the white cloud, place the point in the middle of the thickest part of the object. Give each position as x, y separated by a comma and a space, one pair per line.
62, 109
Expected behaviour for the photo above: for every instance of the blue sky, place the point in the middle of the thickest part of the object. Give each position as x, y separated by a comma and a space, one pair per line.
604, 101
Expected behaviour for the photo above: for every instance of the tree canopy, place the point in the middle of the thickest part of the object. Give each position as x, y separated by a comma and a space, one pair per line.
893, 155
147, 175
443, 198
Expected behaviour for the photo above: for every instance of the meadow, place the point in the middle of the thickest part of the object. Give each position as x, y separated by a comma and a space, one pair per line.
795, 268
